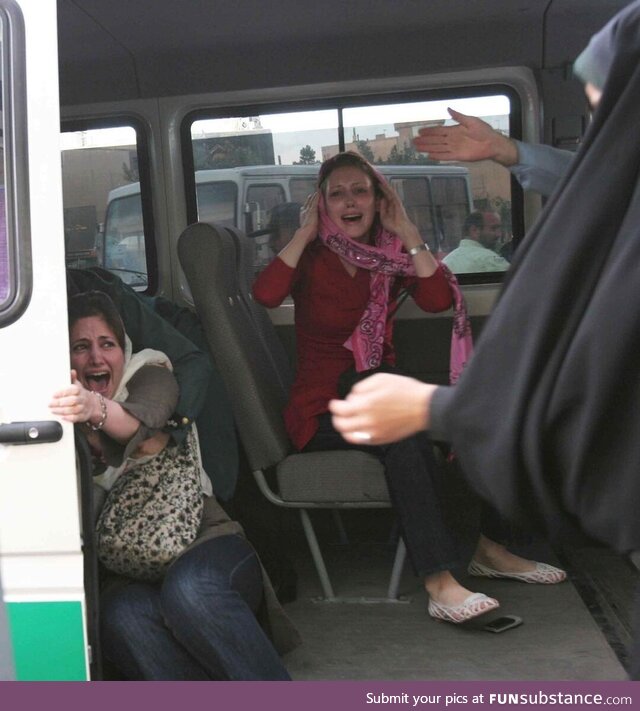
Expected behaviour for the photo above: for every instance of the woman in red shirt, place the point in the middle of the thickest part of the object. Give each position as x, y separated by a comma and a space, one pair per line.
341, 320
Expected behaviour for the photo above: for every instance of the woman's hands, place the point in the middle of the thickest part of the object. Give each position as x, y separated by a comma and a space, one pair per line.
308, 229
305, 234
75, 403
394, 219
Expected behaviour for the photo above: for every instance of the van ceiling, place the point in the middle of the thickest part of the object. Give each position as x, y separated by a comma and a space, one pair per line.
125, 49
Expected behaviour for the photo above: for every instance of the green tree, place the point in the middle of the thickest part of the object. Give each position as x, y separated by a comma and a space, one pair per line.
407, 156
364, 149
307, 156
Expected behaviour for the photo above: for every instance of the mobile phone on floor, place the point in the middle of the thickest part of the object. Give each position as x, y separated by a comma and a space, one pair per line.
502, 624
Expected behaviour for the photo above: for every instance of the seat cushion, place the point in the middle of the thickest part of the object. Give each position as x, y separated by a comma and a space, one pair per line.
338, 476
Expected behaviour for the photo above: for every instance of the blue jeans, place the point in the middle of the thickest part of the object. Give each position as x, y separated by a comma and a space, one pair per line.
198, 623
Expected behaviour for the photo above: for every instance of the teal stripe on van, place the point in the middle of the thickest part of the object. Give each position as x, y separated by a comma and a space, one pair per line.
48, 641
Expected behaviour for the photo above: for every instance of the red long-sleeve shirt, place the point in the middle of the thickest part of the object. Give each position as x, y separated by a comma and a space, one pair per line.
328, 305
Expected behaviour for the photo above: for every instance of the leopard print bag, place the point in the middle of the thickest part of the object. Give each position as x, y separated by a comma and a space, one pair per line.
152, 513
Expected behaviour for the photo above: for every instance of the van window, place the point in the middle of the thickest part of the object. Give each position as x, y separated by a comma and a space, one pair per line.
225, 146
260, 200
301, 188
416, 198
451, 209
437, 196
105, 223
383, 134
16, 272
217, 202
122, 249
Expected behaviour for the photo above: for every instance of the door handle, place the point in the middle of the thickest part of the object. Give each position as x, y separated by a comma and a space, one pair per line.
30, 432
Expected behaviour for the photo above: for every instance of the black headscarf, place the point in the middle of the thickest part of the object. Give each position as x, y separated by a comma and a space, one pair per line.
546, 418
593, 64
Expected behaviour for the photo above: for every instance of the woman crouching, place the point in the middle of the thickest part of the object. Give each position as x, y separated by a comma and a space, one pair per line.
183, 604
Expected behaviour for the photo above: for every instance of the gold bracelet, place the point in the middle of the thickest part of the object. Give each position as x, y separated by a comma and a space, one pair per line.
103, 413
418, 248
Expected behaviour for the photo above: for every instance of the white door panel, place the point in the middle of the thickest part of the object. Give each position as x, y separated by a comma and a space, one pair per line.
38, 503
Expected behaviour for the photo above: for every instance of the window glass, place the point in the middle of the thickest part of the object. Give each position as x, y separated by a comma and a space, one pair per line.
416, 198
217, 202
103, 215
261, 199
383, 134
272, 161
122, 251
451, 207
301, 188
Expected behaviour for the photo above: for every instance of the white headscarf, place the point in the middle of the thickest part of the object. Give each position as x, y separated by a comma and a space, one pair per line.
132, 364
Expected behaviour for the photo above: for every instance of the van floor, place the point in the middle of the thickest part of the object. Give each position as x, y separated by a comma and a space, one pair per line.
577, 630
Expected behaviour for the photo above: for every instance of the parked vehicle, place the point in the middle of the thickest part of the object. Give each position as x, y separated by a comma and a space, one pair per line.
438, 198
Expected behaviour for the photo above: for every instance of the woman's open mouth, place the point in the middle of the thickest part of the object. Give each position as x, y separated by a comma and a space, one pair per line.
98, 382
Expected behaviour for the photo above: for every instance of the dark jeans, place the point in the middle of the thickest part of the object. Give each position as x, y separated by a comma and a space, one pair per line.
416, 487
198, 623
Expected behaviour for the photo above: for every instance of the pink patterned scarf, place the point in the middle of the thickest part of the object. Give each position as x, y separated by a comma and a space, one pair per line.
386, 260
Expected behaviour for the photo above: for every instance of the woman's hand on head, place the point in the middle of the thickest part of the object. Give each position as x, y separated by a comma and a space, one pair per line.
383, 408
305, 234
74, 403
394, 217
308, 229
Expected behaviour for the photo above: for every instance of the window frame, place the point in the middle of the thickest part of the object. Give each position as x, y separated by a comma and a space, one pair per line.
144, 170
16, 165
343, 101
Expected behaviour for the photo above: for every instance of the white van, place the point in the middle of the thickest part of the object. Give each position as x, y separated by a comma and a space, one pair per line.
437, 198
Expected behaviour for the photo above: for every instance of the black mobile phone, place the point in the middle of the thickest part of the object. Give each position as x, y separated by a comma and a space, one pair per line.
502, 624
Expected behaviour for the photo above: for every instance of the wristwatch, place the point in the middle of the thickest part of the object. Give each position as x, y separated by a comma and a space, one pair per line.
418, 248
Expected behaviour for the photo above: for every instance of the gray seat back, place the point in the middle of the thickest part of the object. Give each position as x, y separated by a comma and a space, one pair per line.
267, 333
208, 258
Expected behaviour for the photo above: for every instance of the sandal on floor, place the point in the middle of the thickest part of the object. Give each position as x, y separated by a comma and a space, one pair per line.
474, 606
544, 574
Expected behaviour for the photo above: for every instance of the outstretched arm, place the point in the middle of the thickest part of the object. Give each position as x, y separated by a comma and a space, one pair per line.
75, 403
471, 140
383, 408
147, 329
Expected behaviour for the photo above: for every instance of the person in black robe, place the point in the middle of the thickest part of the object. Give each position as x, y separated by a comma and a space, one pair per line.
545, 420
